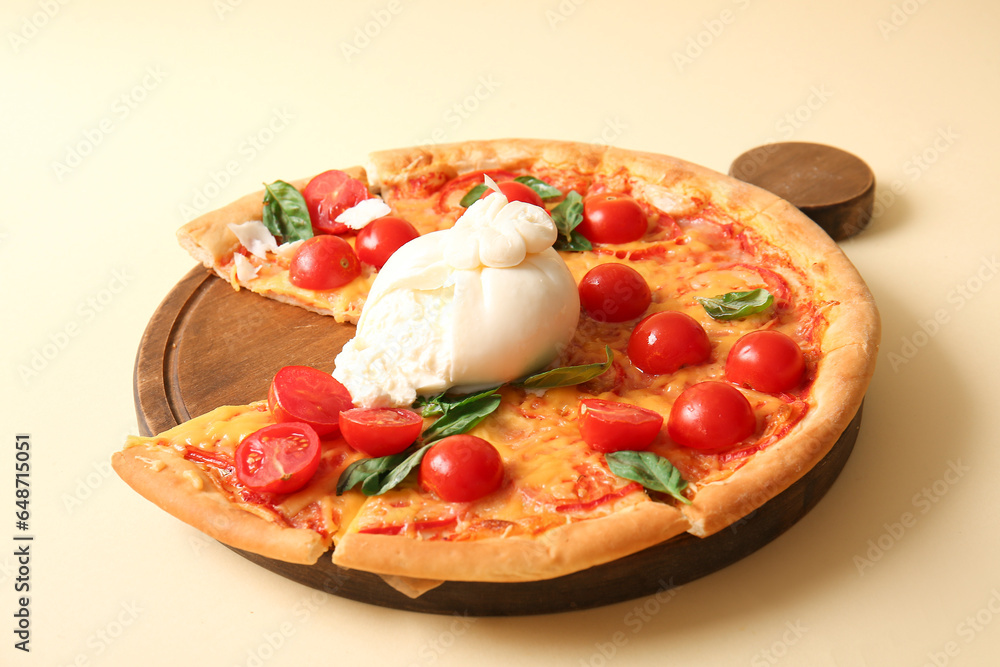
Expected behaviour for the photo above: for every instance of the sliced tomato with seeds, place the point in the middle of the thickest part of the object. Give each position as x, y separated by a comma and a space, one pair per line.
330, 194
377, 432
610, 426
280, 458
306, 394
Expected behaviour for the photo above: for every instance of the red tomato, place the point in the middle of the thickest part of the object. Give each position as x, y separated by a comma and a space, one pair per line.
382, 237
280, 458
711, 415
330, 194
614, 293
379, 432
665, 341
609, 426
612, 218
515, 191
461, 468
304, 394
767, 361
324, 262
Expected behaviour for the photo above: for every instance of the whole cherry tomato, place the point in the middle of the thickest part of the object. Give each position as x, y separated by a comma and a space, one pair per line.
665, 341
612, 218
767, 361
711, 415
323, 262
614, 293
461, 468
381, 237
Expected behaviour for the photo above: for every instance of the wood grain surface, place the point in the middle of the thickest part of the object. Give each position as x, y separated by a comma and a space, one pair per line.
208, 345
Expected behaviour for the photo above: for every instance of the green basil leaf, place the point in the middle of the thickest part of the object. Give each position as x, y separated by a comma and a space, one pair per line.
285, 212
567, 215
541, 188
462, 414
473, 195
567, 376
651, 470
735, 305
363, 470
396, 475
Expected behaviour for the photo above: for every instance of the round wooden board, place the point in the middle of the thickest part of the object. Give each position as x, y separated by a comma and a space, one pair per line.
208, 345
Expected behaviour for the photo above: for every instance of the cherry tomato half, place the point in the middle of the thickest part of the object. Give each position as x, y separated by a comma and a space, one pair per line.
711, 415
323, 262
665, 341
767, 361
382, 237
609, 426
330, 194
379, 432
280, 458
461, 468
305, 394
614, 293
515, 191
612, 218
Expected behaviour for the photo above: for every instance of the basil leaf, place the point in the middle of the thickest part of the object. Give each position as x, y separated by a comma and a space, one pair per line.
396, 475
567, 215
735, 305
285, 212
567, 376
473, 195
363, 470
541, 188
651, 470
461, 415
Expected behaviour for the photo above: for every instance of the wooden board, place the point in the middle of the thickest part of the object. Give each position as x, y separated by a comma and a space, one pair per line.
208, 345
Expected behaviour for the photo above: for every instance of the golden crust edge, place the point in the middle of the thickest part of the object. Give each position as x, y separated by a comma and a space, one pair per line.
560, 551
172, 488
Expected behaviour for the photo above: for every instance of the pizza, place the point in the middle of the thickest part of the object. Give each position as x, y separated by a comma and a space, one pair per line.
565, 354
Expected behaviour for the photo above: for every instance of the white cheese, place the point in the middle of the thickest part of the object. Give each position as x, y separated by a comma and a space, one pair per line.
364, 212
245, 269
255, 237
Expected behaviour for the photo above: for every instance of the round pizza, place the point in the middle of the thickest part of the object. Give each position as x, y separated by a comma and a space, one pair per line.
562, 354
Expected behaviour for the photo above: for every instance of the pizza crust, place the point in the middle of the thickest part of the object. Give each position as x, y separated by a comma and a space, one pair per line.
182, 489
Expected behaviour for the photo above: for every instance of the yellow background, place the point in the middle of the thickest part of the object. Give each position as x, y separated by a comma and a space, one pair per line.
121, 120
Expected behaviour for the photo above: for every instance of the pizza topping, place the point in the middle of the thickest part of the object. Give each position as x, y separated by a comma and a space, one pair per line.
305, 394
711, 416
610, 426
444, 313
285, 213
379, 475
614, 293
328, 195
324, 262
736, 305
363, 213
280, 458
379, 239
767, 361
654, 472
567, 216
667, 340
515, 191
255, 237
612, 218
461, 468
377, 432
245, 269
